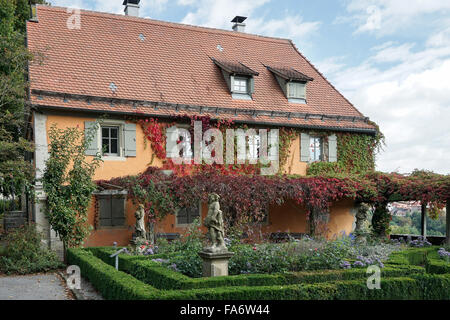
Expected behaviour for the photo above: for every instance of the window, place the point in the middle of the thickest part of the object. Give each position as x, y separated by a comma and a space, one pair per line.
187, 215
114, 139
111, 210
240, 85
315, 149
296, 90
110, 141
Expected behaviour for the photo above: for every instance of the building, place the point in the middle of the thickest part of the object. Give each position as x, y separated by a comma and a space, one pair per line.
131, 68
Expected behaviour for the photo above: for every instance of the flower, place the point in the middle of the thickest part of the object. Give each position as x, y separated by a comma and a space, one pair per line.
358, 264
254, 248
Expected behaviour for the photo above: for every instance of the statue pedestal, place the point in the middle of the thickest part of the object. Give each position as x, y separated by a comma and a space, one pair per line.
215, 264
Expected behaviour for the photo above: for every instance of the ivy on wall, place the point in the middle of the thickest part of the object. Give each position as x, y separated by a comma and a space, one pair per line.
356, 152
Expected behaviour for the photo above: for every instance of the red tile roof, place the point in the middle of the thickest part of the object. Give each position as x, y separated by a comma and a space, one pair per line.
289, 74
234, 67
171, 66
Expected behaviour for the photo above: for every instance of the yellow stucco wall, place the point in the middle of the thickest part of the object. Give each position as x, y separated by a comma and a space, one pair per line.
288, 217
113, 168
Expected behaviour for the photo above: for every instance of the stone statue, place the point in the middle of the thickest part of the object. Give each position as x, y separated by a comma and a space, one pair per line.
141, 234
214, 223
360, 216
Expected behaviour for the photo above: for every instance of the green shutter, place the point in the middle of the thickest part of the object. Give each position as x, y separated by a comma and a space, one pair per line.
304, 147
130, 140
118, 210
251, 86
104, 207
332, 148
92, 148
182, 216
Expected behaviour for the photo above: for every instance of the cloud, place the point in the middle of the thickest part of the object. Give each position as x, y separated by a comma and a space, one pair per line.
219, 13
389, 16
147, 7
409, 100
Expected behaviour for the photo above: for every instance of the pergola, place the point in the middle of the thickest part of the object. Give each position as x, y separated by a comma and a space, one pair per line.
251, 193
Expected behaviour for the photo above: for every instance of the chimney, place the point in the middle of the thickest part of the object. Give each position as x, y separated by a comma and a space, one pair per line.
131, 7
239, 25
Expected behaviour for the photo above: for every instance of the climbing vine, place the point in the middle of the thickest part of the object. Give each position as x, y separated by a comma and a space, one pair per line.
68, 183
245, 194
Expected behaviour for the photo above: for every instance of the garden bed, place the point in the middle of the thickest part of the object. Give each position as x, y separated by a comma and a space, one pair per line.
141, 278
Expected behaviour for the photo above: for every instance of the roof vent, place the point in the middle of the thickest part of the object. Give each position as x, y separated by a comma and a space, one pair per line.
113, 87
131, 7
239, 25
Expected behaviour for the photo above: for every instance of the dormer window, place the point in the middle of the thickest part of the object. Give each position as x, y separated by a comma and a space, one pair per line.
296, 90
239, 78
292, 82
240, 85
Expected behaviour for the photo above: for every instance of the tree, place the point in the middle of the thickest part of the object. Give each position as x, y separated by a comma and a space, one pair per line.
67, 181
16, 174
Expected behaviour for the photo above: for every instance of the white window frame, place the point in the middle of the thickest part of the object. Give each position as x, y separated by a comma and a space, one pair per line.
110, 140
240, 80
112, 123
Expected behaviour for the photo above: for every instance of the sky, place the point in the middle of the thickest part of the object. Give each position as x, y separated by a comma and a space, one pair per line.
390, 58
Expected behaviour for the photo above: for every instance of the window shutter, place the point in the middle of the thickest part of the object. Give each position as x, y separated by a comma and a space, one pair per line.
171, 142
118, 211
92, 148
231, 83
105, 211
302, 90
130, 140
251, 85
182, 216
304, 147
193, 213
332, 148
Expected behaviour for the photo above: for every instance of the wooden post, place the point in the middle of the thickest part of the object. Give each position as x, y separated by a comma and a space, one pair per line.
424, 220
448, 221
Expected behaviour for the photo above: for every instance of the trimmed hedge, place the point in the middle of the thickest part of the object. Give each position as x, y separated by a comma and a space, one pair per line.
153, 273
334, 284
111, 283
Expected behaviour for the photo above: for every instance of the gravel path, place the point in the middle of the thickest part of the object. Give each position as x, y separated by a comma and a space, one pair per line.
34, 287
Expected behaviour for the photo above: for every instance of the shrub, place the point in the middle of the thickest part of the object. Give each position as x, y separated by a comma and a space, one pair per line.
339, 284
23, 253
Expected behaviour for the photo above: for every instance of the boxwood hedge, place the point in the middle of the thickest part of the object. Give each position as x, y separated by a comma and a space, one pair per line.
141, 278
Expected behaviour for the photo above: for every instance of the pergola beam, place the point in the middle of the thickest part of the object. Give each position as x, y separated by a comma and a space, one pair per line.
424, 220
448, 222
